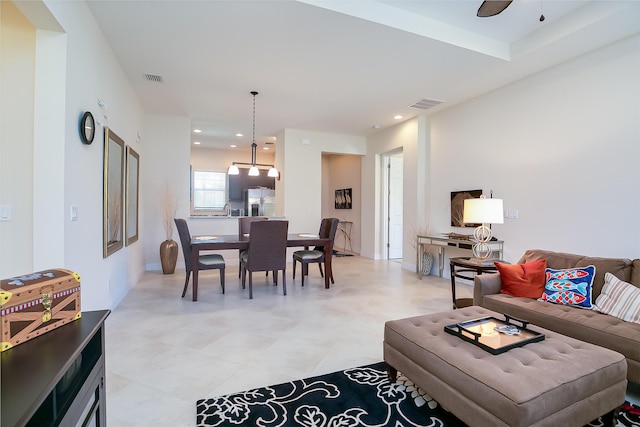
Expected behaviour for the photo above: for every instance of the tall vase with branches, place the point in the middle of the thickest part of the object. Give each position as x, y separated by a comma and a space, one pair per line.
168, 248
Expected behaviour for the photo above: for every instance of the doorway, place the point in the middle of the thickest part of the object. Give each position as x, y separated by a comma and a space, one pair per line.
393, 171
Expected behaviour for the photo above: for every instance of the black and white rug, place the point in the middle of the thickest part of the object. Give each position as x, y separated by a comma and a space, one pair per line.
354, 397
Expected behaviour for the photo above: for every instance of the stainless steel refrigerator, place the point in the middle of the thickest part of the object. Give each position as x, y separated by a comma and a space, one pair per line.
260, 202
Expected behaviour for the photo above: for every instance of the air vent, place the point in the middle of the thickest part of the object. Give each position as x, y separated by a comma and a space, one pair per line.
153, 78
425, 104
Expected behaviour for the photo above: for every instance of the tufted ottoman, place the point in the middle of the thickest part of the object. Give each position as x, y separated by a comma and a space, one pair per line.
556, 382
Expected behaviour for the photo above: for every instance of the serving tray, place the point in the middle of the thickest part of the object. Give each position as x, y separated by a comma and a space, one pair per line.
482, 332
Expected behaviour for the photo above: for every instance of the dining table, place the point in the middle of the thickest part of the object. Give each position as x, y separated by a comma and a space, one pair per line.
234, 241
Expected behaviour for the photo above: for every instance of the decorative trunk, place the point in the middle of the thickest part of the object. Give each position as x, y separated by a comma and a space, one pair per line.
168, 256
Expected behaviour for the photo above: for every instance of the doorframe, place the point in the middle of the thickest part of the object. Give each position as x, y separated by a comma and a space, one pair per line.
385, 218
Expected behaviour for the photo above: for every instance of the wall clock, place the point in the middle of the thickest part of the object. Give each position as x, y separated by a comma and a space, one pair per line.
87, 128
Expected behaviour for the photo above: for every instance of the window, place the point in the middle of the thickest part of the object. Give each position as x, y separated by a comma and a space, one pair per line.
209, 190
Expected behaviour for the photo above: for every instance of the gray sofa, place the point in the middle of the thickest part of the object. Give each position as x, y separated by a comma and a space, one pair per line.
583, 324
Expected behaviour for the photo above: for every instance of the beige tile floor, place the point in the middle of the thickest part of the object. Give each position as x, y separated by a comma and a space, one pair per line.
164, 352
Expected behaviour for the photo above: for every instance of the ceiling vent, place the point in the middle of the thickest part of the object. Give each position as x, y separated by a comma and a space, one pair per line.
425, 104
153, 78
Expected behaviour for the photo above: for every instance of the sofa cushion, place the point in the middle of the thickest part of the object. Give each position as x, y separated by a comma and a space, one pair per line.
586, 325
619, 299
619, 267
571, 286
523, 280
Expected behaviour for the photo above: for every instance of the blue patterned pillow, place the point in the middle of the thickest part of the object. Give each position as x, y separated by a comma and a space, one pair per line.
569, 287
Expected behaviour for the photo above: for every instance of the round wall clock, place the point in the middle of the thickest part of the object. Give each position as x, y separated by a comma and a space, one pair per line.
87, 128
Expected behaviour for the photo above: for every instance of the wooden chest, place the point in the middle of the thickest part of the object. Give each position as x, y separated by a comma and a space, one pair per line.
36, 303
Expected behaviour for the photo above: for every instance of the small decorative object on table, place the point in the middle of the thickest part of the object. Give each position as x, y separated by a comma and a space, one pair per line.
494, 335
35, 303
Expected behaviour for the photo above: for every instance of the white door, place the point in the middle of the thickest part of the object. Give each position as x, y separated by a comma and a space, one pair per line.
395, 206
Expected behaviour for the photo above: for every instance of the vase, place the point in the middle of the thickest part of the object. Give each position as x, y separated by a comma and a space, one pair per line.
168, 256
427, 263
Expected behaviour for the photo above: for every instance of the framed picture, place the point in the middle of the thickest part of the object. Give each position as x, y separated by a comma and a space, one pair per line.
132, 196
457, 206
343, 198
113, 188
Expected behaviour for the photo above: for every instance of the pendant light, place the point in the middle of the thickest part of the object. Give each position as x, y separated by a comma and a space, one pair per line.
253, 170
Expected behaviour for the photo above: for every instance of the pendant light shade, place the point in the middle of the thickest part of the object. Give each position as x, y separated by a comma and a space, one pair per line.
253, 170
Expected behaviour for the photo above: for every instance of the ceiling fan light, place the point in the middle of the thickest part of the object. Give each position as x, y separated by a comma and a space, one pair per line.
273, 173
253, 171
233, 170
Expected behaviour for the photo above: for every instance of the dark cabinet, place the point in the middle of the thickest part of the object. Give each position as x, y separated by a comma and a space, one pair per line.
241, 182
57, 379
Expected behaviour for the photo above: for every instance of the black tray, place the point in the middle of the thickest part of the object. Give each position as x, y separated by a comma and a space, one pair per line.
481, 332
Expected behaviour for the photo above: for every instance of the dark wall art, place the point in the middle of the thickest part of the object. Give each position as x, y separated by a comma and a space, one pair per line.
343, 198
457, 206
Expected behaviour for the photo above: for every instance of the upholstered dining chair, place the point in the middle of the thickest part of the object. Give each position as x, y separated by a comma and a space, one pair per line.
328, 228
244, 225
267, 252
205, 261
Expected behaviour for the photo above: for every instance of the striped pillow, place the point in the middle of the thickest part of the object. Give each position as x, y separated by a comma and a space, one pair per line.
619, 299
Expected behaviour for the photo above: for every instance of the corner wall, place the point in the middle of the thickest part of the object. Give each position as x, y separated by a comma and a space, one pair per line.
562, 147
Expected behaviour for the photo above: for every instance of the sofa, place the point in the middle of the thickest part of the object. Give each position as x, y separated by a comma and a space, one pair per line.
580, 323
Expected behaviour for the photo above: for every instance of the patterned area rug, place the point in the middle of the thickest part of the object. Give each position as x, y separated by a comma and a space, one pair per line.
355, 397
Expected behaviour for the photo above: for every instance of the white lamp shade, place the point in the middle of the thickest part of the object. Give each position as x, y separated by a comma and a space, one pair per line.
483, 211
253, 171
273, 173
233, 170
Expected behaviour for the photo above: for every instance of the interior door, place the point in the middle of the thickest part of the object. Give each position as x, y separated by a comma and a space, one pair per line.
395, 206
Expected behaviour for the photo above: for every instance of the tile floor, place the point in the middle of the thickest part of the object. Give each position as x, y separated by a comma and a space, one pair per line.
164, 352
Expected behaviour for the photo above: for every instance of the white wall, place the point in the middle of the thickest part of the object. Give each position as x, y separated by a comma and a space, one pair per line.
404, 136
562, 147
17, 81
300, 189
74, 66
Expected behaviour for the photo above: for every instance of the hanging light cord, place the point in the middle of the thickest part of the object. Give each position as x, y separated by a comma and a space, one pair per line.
254, 145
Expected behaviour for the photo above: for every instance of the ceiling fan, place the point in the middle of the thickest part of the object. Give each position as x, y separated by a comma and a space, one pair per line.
492, 7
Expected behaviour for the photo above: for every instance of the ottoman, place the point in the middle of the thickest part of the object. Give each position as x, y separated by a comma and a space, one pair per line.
559, 381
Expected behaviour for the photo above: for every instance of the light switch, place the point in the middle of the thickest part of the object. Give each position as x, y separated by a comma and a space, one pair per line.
511, 213
74, 213
5, 212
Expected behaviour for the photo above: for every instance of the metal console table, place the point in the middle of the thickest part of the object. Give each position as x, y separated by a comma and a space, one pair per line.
442, 243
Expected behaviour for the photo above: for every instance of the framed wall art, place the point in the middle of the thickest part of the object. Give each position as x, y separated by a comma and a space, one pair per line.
113, 188
343, 199
457, 206
132, 196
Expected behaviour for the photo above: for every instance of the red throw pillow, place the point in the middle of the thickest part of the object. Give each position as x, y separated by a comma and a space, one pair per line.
523, 280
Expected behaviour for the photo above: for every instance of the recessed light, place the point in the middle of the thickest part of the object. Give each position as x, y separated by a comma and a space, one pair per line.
239, 135
376, 126
197, 131
233, 146
398, 117
196, 142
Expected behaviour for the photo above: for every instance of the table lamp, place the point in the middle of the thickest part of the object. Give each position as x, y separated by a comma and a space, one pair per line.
482, 211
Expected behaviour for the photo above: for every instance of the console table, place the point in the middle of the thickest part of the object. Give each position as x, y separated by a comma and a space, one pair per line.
442, 243
57, 379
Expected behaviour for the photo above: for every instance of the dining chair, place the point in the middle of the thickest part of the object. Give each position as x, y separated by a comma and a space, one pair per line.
205, 261
244, 225
267, 252
328, 228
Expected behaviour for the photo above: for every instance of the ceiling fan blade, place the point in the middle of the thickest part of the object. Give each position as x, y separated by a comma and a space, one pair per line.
492, 7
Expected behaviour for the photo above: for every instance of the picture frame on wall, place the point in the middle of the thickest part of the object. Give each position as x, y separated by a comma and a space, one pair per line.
457, 206
132, 195
343, 198
113, 193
